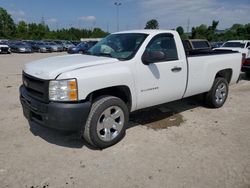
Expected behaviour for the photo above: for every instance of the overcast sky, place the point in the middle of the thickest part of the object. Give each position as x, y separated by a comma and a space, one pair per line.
133, 13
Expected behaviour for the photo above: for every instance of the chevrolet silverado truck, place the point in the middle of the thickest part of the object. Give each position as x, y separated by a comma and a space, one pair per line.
94, 93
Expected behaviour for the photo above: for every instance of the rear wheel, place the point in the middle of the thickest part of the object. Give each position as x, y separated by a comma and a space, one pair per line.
107, 121
217, 96
248, 74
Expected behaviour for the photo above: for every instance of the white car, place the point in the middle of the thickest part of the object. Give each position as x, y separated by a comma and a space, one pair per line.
4, 49
126, 71
242, 46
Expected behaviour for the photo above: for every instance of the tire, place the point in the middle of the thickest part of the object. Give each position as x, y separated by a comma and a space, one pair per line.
248, 74
103, 128
217, 96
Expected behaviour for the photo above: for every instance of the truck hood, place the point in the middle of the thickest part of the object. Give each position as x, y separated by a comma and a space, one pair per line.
51, 67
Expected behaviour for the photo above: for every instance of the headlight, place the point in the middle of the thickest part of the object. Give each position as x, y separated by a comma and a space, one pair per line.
63, 90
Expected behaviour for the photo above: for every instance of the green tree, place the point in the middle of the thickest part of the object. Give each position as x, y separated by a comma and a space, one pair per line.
180, 30
152, 24
199, 32
98, 33
22, 30
7, 25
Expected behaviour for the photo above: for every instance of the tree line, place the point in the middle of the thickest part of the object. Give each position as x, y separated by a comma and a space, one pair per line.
211, 33
38, 31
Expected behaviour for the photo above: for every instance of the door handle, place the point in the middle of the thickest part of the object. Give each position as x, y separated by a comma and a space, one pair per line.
176, 69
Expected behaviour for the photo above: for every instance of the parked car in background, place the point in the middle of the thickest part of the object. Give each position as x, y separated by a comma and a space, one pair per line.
4, 48
54, 47
216, 44
75, 42
242, 46
39, 46
66, 44
81, 47
20, 47
246, 66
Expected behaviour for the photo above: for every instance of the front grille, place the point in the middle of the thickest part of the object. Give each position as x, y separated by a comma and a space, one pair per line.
36, 88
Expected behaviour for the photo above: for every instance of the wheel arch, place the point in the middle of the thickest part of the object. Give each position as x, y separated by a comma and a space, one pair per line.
225, 73
122, 91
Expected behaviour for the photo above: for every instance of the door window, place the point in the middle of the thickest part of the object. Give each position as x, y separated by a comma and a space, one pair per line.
165, 44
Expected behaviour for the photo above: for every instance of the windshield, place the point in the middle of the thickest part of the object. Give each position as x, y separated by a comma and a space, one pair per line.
81, 45
121, 46
234, 44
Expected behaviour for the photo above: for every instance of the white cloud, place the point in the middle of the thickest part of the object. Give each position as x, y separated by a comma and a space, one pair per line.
17, 13
172, 13
87, 18
52, 20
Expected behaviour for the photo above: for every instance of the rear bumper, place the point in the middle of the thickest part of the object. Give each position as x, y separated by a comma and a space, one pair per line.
61, 116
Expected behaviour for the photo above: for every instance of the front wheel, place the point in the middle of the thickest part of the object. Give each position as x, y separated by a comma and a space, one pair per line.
217, 96
107, 122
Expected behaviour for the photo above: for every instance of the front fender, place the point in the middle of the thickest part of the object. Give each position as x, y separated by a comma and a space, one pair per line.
95, 78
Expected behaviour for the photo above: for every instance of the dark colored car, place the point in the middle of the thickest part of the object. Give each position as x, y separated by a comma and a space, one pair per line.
81, 47
20, 47
66, 44
39, 46
246, 66
75, 42
54, 46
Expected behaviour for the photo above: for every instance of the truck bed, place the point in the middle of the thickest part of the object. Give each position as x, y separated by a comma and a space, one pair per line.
194, 53
203, 65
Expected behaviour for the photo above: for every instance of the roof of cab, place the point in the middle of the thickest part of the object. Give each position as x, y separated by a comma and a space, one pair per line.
147, 31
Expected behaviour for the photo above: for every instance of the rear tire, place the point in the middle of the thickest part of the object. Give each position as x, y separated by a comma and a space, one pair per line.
248, 74
107, 122
217, 96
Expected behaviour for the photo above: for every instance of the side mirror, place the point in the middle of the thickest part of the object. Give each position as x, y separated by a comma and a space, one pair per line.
149, 57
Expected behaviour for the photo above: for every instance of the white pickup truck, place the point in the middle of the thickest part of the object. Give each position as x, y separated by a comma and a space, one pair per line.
126, 71
242, 46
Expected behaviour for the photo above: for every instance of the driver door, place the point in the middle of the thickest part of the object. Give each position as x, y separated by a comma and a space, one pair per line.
162, 80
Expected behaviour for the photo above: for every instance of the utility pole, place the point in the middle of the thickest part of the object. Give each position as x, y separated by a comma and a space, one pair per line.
43, 21
188, 24
117, 4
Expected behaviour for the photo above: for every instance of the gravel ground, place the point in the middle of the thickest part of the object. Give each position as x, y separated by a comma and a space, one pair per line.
181, 144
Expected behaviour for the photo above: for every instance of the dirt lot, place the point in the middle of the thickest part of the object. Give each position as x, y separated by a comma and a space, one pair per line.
182, 144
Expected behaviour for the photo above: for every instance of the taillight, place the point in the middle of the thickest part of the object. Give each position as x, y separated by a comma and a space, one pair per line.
243, 60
